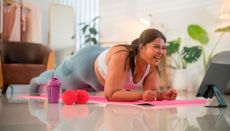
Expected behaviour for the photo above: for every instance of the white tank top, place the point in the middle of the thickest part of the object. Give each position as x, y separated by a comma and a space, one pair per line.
129, 84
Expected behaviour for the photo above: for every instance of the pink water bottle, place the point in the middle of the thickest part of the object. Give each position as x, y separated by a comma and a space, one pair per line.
53, 90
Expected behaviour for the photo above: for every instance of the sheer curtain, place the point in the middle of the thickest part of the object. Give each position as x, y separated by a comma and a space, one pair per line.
84, 10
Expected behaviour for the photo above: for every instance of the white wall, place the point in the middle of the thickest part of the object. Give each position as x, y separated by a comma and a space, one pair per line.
120, 18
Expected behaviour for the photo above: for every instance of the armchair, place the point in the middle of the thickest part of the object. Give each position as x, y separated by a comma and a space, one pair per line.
21, 61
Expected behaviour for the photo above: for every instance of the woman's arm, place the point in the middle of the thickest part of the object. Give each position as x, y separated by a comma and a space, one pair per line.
116, 76
152, 82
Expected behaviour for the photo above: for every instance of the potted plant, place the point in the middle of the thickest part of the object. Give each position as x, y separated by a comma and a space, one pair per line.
90, 32
182, 56
199, 34
178, 58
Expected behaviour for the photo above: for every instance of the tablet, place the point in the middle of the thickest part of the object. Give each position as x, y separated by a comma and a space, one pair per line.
218, 74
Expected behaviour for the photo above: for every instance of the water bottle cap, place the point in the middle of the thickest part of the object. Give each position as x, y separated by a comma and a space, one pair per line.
54, 82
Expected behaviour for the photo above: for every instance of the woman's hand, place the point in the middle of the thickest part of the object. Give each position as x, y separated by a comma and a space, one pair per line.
149, 95
169, 94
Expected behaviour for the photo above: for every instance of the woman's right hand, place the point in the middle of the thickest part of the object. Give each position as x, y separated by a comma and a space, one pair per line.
149, 95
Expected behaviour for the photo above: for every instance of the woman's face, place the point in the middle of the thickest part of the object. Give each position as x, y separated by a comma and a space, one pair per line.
154, 51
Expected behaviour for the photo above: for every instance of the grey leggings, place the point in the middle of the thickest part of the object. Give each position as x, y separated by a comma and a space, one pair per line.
76, 72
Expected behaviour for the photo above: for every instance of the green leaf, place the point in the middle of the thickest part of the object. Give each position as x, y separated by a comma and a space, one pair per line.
191, 54
196, 32
173, 46
89, 31
84, 28
223, 29
93, 31
94, 41
88, 40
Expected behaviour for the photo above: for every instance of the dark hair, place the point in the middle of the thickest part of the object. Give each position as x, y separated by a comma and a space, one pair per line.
146, 37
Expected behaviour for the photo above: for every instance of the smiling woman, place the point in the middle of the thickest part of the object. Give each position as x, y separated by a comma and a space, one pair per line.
117, 70
137, 68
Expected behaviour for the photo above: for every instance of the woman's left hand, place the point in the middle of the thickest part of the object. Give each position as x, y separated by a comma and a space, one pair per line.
169, 94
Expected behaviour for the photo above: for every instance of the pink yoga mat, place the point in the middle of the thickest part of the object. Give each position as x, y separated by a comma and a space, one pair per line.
103, 100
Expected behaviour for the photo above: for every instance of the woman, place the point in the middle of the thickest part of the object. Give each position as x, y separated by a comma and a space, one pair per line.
116, 70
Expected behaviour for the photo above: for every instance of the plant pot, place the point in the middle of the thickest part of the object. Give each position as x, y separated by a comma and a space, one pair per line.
181, 80
199, 75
